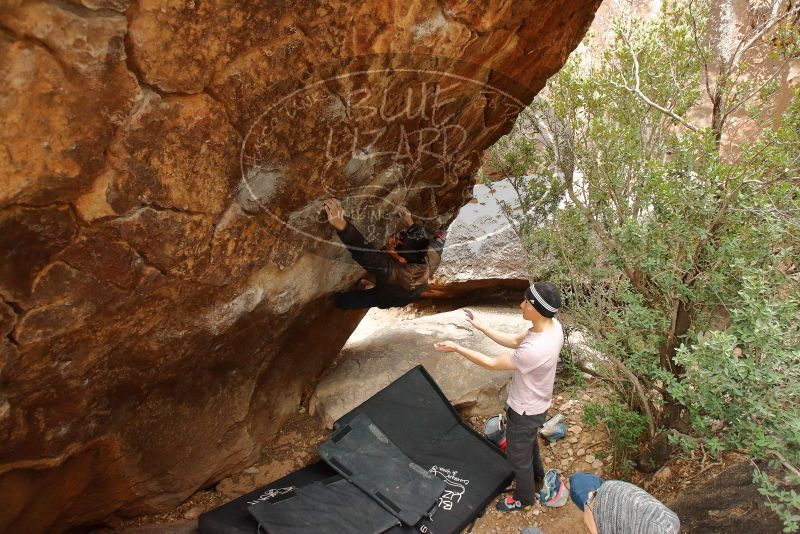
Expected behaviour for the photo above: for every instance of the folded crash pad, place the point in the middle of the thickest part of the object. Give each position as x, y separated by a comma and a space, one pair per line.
332, 506
234, 517
415, 415
361, 452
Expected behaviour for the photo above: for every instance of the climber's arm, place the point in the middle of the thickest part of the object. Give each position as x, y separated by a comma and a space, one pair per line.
506, 339
371, 259
374, 261
406, 220
512, 341
437, 242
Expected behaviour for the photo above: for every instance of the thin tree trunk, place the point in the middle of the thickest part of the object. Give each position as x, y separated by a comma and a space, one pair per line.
681, 323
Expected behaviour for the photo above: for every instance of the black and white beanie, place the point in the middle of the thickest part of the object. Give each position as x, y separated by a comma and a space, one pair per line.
545, 297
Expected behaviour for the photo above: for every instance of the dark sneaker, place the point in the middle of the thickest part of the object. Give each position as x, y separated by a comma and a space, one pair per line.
510, 504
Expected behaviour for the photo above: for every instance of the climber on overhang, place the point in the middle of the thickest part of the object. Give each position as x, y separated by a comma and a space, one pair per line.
401, 269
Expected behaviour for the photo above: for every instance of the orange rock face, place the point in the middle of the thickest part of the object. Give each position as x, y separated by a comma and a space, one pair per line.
165, 276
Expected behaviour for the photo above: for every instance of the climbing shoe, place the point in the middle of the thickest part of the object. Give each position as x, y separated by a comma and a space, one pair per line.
510, 504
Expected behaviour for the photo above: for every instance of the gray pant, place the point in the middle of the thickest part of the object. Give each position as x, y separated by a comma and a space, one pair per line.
522, 450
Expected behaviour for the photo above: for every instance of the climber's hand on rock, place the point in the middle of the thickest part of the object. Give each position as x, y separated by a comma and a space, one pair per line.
335, 213
406, 220
474, 320
446, 346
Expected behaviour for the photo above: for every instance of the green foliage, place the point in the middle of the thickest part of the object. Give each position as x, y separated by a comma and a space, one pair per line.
785, 502
747, 377
624, 426
673, 254
570, 376
536, 197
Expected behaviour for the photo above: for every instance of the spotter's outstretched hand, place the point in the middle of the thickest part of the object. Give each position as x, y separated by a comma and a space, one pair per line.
335, 213
446, 346
474, 320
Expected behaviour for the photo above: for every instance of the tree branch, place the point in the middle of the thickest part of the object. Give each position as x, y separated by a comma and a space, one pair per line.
771, 22
700, 50
636, 90
750, 95
644, 403
785, 463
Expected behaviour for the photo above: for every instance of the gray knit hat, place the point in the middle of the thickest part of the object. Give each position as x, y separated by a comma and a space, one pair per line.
623, 508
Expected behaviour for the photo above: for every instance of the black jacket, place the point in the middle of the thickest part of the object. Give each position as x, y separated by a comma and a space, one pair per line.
394, 281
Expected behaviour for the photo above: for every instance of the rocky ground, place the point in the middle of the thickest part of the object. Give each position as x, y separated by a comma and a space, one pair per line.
583, 449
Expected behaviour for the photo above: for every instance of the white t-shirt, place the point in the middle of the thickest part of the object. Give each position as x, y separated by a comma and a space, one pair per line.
535, 359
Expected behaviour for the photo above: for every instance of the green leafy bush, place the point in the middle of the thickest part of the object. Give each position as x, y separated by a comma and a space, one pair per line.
624, 426
570, 376
745, 380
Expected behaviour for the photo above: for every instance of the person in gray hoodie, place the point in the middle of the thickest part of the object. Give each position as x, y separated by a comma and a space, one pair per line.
617, 507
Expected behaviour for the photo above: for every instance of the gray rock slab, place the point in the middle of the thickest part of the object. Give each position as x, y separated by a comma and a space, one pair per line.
481, 244
373, 360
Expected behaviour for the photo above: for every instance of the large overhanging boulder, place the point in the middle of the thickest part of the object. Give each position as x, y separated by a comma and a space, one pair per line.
165, 278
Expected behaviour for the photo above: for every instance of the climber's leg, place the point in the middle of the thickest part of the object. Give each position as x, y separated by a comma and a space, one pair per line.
368, 299
353, 300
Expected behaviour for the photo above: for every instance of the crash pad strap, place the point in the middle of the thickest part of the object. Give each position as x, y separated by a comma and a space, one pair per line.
361, 452
332, 506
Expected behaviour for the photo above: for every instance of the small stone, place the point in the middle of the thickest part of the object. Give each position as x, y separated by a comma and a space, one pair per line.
575, 429
194, 513
581, 452
227, 487
574, 439
251, 470
569, 405
597, 464
663, 474
590, 458
536, 511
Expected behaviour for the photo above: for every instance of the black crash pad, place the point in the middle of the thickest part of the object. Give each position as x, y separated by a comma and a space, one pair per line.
332, 506
415, 415
361, 452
